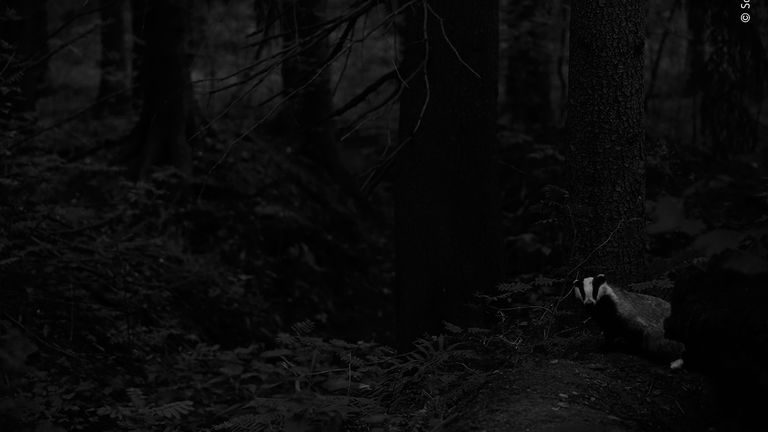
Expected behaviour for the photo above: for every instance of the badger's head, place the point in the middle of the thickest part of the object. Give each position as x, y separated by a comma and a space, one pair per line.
590, 289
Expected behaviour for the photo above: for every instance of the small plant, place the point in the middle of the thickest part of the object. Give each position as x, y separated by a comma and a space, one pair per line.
140, 413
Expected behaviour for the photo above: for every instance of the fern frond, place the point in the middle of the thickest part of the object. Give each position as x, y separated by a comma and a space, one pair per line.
543, 281
348, 358
285, 339
453, 328
303, 328
247, 423
173, 410
514, 287
137, 397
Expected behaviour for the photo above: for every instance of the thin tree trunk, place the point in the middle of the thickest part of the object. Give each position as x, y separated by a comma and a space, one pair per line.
138, 44
114, 56
696, 14
446, 193
160, 136
606, 132
558, 67
28, 36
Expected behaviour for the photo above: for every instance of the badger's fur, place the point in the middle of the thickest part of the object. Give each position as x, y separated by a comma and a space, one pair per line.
633, 320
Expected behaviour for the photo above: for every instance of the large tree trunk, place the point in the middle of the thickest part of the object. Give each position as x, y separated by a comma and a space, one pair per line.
27, 34
446, 189
606, 132
114, 56
160, 136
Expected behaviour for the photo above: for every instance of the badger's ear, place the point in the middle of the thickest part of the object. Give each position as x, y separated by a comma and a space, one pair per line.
578, 284
578, 287
598, 280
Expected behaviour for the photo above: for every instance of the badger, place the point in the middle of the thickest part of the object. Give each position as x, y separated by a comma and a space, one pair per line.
629, 320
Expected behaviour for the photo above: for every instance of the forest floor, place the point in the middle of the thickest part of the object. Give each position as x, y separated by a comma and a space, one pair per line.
578, 387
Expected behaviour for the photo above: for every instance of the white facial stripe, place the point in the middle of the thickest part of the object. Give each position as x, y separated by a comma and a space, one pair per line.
588, 289
605, 290
577, 291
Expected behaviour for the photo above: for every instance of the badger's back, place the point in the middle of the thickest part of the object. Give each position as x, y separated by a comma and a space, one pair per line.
644, 317
652, 309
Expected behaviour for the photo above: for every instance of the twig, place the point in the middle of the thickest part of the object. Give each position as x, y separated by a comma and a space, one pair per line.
600, 246
278, 58
66, 44
39, 339
566, 330
445, 35
360, 97
346, 63
650, 388
75, 17
69, 118
250, 129
7, 64
365, 116
446, 421
344, 36
682, 411
535, 307
94, 225
426, 72
231, 105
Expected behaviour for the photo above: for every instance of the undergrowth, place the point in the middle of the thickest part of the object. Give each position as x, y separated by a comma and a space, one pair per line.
206, 303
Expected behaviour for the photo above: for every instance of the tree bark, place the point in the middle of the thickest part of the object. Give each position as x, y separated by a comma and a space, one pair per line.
606, 132
114, 56
160, 135
446, 195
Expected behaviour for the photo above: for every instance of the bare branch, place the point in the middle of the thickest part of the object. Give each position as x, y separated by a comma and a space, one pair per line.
360, 97
450, 44
279, 58
75, 17
30, 64
69, 118
364, 117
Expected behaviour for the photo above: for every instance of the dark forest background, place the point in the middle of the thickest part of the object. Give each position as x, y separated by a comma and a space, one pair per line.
346, 215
